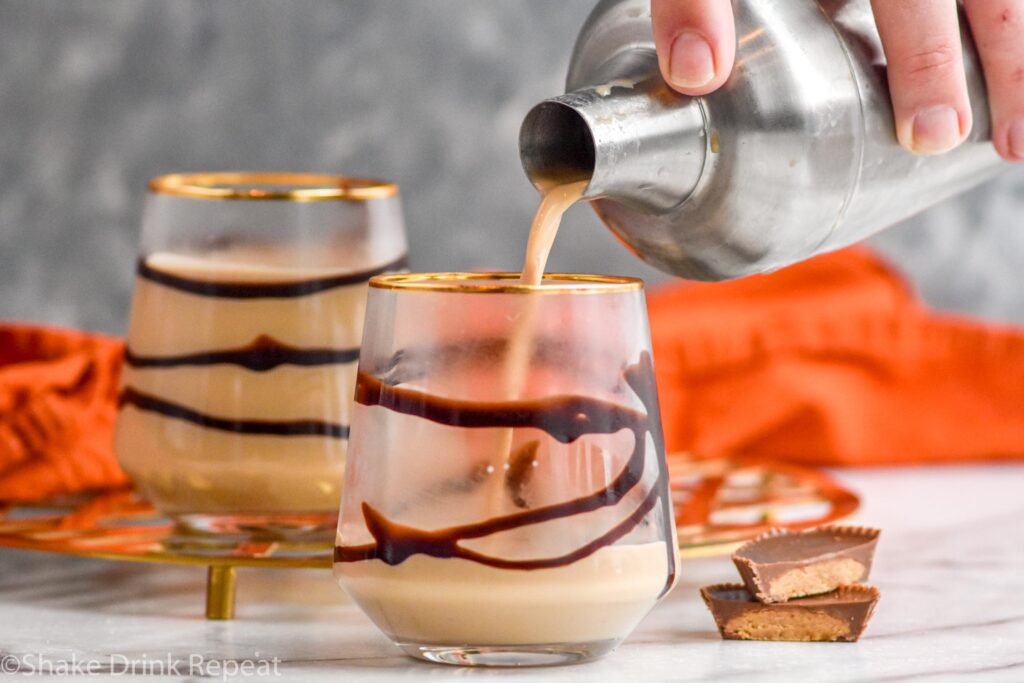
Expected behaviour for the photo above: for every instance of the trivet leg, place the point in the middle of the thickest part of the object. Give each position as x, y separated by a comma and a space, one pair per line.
220, 592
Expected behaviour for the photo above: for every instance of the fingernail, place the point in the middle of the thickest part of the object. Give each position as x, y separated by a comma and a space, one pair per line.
1015, 138
691, 63
936, 130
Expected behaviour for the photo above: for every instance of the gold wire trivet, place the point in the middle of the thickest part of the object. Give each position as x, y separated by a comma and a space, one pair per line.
719, 504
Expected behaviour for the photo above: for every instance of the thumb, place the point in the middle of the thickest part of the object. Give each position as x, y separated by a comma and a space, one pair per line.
696, 42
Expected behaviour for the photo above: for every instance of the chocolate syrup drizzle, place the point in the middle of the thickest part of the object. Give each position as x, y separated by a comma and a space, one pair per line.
262, 354
226, 289
565, 418
147, 402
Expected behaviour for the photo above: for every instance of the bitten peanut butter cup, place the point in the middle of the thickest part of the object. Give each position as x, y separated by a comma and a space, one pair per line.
838, 616
780, 565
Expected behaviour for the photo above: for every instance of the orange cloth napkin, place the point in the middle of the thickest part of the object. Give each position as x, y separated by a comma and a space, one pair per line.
58, 399
833, 361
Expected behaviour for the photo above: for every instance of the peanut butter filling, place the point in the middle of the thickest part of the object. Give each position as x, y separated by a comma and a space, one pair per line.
821, 577
774, 624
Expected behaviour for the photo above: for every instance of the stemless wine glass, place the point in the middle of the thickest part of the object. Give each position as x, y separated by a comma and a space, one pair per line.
243, 342
506, 497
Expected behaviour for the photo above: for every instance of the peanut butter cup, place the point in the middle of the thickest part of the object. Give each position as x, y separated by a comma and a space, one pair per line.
780, 565
838, 616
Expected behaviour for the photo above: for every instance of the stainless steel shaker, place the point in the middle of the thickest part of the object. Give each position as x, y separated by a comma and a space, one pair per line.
794, 156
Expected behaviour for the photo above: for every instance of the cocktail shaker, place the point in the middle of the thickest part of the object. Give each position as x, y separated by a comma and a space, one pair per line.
794, 156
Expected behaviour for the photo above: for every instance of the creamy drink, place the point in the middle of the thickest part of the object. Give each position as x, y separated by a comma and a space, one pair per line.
239, 371
598, 599
555, 201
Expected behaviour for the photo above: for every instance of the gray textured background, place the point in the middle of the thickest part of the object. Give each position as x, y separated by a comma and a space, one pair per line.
97, 96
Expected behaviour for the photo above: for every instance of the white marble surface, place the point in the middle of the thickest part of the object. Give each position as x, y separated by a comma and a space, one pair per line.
950, 566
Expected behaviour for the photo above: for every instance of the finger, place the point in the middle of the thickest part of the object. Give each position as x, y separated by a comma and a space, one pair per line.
926, 72
998, 28
696, 41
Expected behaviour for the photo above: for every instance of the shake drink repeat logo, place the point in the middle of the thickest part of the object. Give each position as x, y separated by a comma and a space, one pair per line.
116, 664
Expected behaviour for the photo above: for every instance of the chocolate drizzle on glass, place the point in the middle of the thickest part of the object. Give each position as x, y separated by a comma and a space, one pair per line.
565, 418
262, 354
146, 402
240, 289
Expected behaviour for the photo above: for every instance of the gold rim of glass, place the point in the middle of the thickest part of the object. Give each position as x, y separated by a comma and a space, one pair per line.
296, 187
476, 283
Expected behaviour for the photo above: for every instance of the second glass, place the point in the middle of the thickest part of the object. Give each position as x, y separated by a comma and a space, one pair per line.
243, 341
506, 498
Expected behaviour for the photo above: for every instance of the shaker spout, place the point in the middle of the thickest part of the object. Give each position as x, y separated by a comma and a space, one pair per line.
635, 141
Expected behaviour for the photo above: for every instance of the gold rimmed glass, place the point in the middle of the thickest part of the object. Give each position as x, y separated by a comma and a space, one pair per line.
243, 342
506, 499
306, 187
508, 283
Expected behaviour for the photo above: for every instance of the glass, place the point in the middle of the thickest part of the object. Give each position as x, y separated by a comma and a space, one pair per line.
506, 500
242, 346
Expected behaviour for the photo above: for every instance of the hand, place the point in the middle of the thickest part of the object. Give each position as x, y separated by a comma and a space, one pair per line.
696, 42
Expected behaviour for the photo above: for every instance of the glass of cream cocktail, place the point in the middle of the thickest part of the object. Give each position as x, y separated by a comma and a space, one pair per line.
243, 343
506, 498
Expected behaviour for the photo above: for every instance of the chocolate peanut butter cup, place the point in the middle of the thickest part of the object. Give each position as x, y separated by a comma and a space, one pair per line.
838, 616
780, 565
